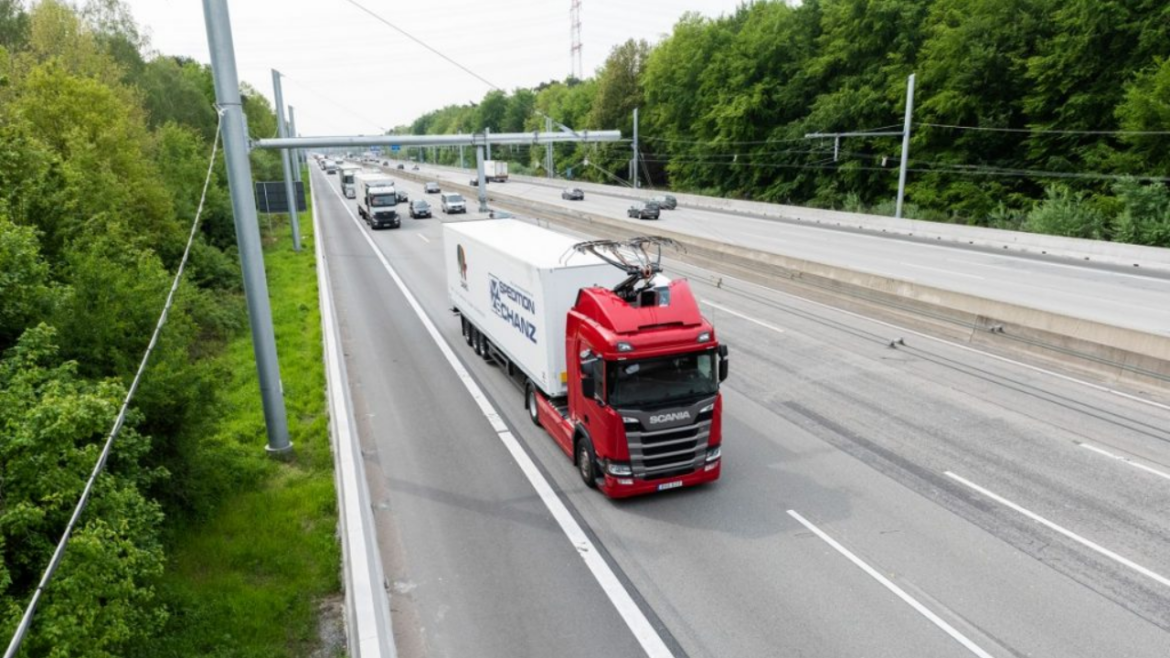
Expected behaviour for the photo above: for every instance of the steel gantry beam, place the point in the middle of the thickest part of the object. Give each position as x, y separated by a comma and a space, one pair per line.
467, 139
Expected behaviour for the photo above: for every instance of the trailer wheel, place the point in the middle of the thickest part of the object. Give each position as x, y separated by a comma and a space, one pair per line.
476, 341
466, 330
530, 403
486, 346
587, 462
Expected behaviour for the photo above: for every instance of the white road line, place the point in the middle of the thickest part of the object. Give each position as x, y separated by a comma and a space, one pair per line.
1127, 460
745, 317
637, 622
1028, 366
898, 591
368, 607
423, 238
1064, 531
948, 272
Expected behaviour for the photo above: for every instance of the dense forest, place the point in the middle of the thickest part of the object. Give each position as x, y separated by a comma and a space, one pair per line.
1044, 115
103, 152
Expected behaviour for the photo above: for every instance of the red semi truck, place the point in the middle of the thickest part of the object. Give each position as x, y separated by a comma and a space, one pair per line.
616, 361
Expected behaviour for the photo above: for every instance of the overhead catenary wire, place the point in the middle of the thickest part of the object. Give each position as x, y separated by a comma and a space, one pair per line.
119, 421
1047, 131
447, 58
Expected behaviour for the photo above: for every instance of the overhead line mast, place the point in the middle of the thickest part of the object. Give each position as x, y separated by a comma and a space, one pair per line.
575, 39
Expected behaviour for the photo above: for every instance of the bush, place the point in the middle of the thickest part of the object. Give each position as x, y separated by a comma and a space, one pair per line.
1145, 214
1067, 213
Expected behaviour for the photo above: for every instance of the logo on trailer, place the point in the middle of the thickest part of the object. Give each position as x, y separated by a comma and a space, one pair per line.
504, 296
461, 255
669, 418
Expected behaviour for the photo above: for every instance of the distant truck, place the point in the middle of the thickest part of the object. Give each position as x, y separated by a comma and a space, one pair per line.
377, 199
616, 361
348, 186
495, 171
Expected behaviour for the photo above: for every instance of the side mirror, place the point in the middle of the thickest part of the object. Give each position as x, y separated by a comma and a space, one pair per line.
723, 363
589, 368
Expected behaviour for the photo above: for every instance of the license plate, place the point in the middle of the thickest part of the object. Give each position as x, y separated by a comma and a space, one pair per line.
670, 485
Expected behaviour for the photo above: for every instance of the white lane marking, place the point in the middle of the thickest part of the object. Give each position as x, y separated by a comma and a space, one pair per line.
363, 566
637, 622
423, 238
1098, 387
737, 314
898, 591
1127, 460
1064, 531
939, 269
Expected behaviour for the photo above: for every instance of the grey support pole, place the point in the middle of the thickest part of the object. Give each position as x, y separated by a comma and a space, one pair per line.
461, 163
285, 156
488, 131
239, 170
548, 150
635, 172
297, 155
483, 207
905, 145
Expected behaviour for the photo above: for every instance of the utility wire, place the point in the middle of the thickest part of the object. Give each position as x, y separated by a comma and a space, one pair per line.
1042, 131
59, 552
436, 51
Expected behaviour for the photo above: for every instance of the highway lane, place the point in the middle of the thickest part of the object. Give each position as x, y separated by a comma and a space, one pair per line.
1131, 299
826, 420
470, 551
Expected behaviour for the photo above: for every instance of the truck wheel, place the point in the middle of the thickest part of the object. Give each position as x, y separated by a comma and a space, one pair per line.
475, 340
466, 330
530, 403
486, 346
587, 462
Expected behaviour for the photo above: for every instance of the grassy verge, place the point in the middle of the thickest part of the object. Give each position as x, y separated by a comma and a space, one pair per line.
251, 579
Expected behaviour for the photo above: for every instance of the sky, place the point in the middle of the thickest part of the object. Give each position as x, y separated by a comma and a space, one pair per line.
347, 73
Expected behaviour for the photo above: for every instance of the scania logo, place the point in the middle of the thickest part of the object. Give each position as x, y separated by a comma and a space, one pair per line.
667, 418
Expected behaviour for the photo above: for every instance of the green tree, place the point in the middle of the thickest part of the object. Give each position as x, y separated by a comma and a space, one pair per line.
24, 281
53, 423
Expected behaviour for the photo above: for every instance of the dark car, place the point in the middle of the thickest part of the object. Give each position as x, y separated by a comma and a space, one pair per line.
474, 182
385, 163
431, 188
666, 201
573, 194
648, 210
414, 168
403, 197
419, 209
401, 166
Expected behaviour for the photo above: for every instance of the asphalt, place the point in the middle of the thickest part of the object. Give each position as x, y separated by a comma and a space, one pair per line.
1132, 299
1009, 511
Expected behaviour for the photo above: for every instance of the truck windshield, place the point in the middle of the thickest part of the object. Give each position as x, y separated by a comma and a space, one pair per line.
384, 200
661, 380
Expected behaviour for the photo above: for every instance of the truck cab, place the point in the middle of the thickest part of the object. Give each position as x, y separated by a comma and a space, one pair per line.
644, 405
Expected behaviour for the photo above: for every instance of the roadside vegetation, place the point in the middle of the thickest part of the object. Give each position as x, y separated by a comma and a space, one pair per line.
195, 543
1039, 115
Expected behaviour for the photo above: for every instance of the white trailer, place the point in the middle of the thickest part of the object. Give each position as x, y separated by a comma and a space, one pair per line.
377, 199
495, 171
516, 282
348, 184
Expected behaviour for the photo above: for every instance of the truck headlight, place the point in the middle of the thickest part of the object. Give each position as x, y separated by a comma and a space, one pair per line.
618, 469
714, 453
710, 407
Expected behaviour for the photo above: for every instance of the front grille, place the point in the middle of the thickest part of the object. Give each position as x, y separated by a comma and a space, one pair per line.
660, 454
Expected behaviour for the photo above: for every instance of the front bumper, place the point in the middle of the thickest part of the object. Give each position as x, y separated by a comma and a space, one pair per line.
615, 487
